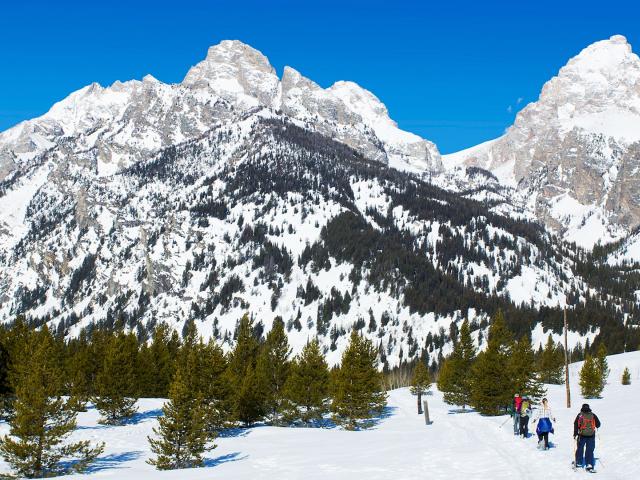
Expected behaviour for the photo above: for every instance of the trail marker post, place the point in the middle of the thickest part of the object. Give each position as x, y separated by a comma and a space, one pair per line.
427, 420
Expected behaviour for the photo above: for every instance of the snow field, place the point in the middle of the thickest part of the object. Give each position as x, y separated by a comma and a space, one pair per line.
457, 445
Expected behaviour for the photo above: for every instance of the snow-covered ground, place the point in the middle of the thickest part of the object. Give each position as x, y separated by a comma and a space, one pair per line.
455, 446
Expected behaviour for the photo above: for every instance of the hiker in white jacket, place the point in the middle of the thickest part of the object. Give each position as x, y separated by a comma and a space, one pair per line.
544, 417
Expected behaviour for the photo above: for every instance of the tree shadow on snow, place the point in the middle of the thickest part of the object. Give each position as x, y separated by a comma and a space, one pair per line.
455, 411
386, 413
140, 417
134, 420
233, 432
114, 460
229, 457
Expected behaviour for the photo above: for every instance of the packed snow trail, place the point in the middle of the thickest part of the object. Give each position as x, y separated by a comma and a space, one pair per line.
456, 446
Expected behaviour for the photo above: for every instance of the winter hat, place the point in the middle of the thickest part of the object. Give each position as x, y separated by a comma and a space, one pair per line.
585, 408
517, 395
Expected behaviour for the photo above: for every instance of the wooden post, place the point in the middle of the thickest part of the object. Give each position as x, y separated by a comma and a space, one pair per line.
566, 360
419, 403
427, 421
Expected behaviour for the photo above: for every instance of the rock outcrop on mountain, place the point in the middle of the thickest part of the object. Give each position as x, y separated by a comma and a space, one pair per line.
575, 150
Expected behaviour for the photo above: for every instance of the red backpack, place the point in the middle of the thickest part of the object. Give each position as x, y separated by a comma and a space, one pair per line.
586, 424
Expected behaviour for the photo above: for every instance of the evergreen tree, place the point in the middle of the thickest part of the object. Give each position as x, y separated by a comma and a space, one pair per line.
207, 367
551, 363
603, 365
523, 372
249, 400
626, 376
272, 370
455, 376
157, 362
590, 378
420, 382
492, 384
116, 382
182, 430
307, 387
36, 446
358, 393
79, 370
6, 391
246, 400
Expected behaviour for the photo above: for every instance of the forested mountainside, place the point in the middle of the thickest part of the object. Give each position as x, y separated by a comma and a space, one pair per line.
265, 216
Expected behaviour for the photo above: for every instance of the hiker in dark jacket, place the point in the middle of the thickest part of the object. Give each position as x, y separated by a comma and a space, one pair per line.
584, 432
525, 411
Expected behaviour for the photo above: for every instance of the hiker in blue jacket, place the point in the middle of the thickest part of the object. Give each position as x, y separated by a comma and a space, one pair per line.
543, 418
584, 432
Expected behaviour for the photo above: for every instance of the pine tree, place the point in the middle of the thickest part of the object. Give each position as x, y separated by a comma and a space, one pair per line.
249, 401
603, 365
157, 362
246, 400
454, 378
524, 376
182, 430
116, 382
78, 371
6, 390
492, 384
626, 376
420, 382
209, 365
358, 393
272, 370
590, 378
551, 363
307, 387
42, 420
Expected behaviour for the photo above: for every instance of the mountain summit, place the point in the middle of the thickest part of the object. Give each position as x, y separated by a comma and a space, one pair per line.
575, 151
128, 121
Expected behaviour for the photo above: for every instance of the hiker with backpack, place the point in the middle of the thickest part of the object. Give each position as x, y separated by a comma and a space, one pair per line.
515, 413
543, 419
525, 411
584, 433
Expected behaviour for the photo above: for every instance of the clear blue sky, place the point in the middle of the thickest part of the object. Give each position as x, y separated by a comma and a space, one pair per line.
447, 71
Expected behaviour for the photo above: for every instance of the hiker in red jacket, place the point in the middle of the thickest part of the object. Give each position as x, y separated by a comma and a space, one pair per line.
515, 410
584, 432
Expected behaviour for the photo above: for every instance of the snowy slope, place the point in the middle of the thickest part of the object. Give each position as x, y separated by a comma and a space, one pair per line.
456, 445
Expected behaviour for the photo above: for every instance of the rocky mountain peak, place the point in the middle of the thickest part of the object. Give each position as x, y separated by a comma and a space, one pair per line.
572, 150
604, 56
597, 91
236, 72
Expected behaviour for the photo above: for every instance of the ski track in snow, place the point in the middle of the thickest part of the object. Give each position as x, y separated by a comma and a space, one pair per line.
457, 445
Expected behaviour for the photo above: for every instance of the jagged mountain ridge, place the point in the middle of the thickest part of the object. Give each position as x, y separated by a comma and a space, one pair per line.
574, 153
235, 191
118, 125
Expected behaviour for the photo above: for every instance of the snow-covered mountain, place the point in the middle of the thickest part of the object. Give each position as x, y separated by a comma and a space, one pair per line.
239, 191
575, 153
116, 126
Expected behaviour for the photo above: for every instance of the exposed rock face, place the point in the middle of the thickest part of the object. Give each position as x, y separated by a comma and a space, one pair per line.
573, 149
236, 72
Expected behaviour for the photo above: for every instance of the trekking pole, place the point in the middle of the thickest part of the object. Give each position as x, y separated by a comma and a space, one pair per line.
600, 446
502, 424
